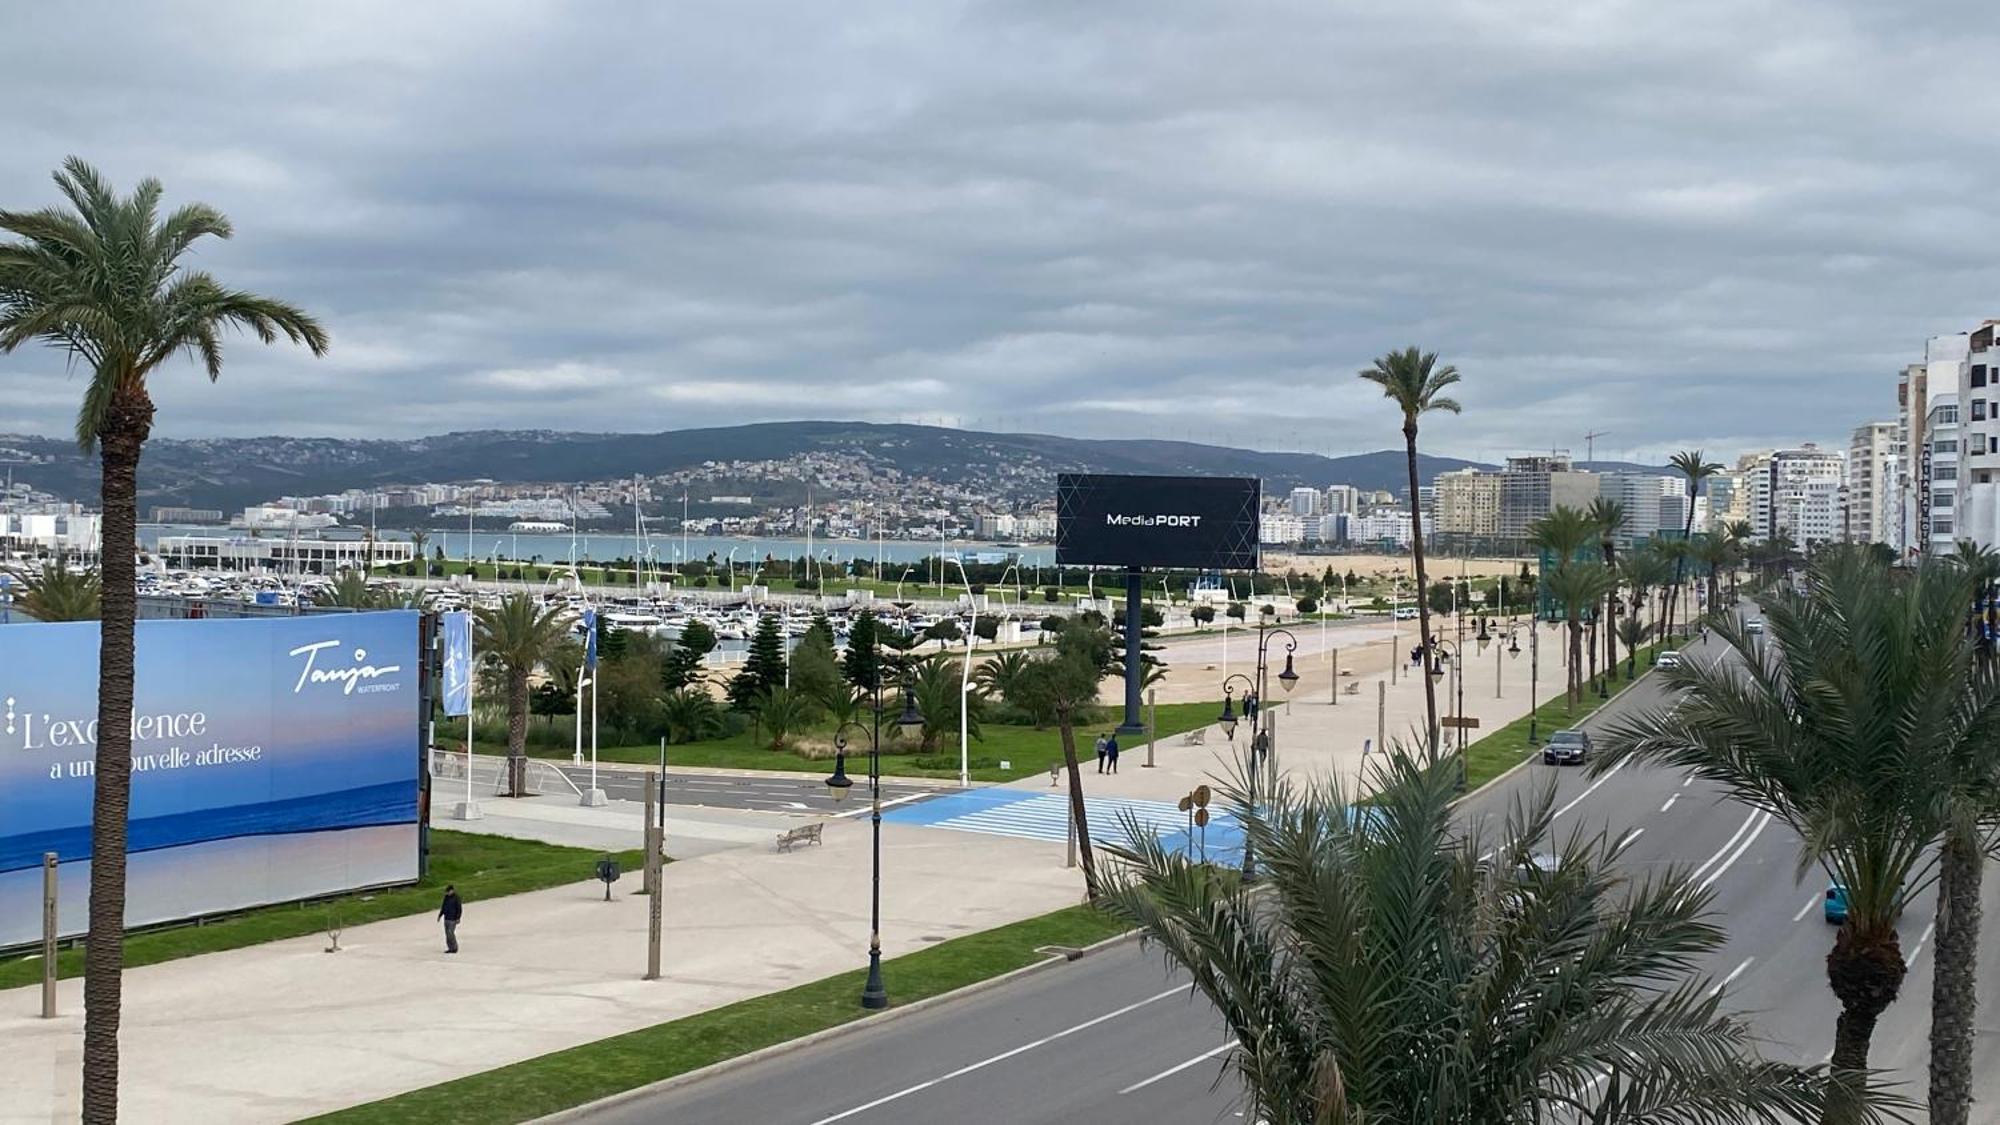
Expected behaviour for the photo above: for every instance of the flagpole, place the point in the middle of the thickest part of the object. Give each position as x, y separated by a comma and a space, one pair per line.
594, 796
471, 808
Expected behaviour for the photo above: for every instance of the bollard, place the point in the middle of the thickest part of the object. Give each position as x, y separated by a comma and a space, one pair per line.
1333, 677
1152, 725
1381, 714
49, 865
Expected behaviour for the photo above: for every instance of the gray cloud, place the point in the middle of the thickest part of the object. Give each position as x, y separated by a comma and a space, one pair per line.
1713, 222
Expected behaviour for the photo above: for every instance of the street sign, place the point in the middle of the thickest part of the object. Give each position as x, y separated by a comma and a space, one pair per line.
1459, 721
1201, 796
1201, 818
1186, 803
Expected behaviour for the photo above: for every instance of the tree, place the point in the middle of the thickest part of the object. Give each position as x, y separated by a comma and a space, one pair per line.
1845, 729
349, 591
514, 636
1384, 972
1578, 588
1611, 517
417, 541
815, 666
1306, 605
683, 666
58, 593
1000, 675
1690, 463
783, 712
1203, 614
862, 663
1234, 609
1062, 683
1414, 381
548, 700
1713, 552
1632, 633
763, 670
103, 282
944, 629
689, 716
935, 686
1566, 534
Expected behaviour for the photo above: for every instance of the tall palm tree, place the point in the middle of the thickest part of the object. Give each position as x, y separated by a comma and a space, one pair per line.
1690, 463
1738, 534
1414, 381
103, 282
514, 636
418, 540
1384, 973
1611, 517
1648, 570
58, 593
1713, 552
1562, 535
1841, 729
1579, 587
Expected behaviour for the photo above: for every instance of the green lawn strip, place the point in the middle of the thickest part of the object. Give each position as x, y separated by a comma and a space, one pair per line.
1502, 750
482, 867
539, 1086
1028, 750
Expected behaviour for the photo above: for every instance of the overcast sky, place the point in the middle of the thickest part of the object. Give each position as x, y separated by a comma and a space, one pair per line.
1706, 223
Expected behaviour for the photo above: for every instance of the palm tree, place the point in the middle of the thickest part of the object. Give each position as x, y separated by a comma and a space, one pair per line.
103, 282
417, 541
1610, 516
1691, 464
1416, 383
1579, 587
690, 715
1632, 632
1841, 729
1713, 552
350, 591
514, 637
782, 712
1384, 973
1648, 569
61, 594
1062, 683
1000, 675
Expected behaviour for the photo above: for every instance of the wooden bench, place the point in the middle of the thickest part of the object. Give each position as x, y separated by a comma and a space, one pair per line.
1195, 737
803, 834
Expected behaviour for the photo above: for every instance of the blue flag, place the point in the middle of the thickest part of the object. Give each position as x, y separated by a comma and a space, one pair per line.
590, 640
458, 663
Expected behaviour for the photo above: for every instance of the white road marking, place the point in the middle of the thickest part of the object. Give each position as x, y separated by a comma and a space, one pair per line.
1173, 1070
1578, 799
1807, 908
1738, 853
1670, 802
1180, 990
1731, 978
1919, 950
1730, 843
1630, 836
1688, 782
903, 800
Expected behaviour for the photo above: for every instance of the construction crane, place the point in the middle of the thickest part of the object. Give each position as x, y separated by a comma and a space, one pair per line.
1590, 445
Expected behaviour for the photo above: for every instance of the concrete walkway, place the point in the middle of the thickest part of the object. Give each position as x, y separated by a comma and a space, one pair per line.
285, 1030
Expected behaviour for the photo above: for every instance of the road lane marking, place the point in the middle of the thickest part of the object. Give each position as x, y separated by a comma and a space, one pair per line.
1173, 1070
1919, 950
1670, 802
1688, 782
903, 800
1627, 838
1807, 908
1578, 799
1725, 982
1738, 853
1178, 990
1724, 850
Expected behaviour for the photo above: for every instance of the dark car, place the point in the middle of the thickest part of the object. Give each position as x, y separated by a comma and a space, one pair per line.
1566, 747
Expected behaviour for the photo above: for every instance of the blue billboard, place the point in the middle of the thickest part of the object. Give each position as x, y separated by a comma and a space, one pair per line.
272, 759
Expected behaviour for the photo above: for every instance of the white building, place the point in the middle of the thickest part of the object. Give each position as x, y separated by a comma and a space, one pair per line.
1304, 502
1797, 493
1937, 476
1382, 525
1342, 500
1871, 483
62, 532
1279, 529
272, 517
313, 556
1654, 502
1978, 500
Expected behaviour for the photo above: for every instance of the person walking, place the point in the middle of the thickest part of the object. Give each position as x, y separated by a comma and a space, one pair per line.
1111, 750
1100, 753
451, 910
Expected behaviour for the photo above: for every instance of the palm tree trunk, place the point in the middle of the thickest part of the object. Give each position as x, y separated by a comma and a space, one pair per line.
128, 421
1866, 973
1076, 809
1573, 682
1423, 590
1953, 996
517, 732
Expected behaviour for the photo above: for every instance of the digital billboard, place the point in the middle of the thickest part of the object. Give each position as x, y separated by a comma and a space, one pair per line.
272, 759
1192, 523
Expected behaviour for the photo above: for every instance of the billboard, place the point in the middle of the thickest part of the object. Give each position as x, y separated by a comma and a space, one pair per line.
272, 759
1194, 523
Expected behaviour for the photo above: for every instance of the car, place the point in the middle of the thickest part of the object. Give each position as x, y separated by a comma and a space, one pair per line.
1567, 746
1537, 865
1754, 626
1669, 659
1406, 613
1836, 904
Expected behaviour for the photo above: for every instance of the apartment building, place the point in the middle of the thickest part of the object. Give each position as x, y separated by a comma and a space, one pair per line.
1304, 502
1654, 502
1798, 493
1871, 483
1937, 476
1468, 503
1532, 487
1978, 483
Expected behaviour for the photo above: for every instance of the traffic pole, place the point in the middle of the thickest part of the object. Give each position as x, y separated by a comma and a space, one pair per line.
1152, 724
49, 865
647, 887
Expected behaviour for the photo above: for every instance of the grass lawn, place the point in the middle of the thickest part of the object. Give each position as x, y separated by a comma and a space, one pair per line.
1027, 750
483, 867
539, 1086
1500, 751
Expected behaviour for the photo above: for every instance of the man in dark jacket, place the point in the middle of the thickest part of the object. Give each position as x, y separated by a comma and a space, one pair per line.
451, 910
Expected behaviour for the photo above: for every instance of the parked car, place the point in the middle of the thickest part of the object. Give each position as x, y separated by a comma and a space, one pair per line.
1669, 659
1406, 613
1570, 747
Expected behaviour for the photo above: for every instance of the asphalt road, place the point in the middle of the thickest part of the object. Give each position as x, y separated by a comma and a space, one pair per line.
1110, 1039
722, 791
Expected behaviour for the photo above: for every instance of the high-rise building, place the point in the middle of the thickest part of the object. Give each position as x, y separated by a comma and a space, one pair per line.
1342, 500
1532, 487
1304, 502
1871, 475
1654, 502
1797, 493
1978, 481
1937, 476
1468, 503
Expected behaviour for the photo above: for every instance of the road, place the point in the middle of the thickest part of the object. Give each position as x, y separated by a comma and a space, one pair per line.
727, 791
1109, 1039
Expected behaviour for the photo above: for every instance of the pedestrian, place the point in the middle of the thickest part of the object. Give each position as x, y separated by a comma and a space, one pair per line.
1100, 753
451, 910
1250, 705
1111, 750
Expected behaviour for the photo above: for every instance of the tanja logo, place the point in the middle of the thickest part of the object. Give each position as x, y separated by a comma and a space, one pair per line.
1115, 519
354, 674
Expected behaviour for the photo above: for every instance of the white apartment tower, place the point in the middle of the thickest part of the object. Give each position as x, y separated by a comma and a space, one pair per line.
1304, 502
1937, 476
1871, 483
1797, 493
1979, 439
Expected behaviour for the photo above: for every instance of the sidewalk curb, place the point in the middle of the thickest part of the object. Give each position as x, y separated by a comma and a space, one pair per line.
1054, 956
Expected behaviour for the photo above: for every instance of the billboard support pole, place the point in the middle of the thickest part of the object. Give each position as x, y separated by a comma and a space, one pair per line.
1134, 669
49, 866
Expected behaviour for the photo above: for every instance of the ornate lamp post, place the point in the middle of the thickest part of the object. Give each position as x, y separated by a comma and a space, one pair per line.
1255, 692
872, 994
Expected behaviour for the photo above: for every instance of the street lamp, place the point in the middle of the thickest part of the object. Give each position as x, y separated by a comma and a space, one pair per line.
872, 994
1255, 690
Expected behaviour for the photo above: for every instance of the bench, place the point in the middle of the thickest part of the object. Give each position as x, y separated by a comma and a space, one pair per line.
1351, 689
803, 834
1195, 737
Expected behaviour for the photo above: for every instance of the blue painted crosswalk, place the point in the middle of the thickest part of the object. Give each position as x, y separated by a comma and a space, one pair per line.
1045, 816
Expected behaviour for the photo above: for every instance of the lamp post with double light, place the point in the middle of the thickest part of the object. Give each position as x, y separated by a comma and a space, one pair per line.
872, 994
1255, 691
